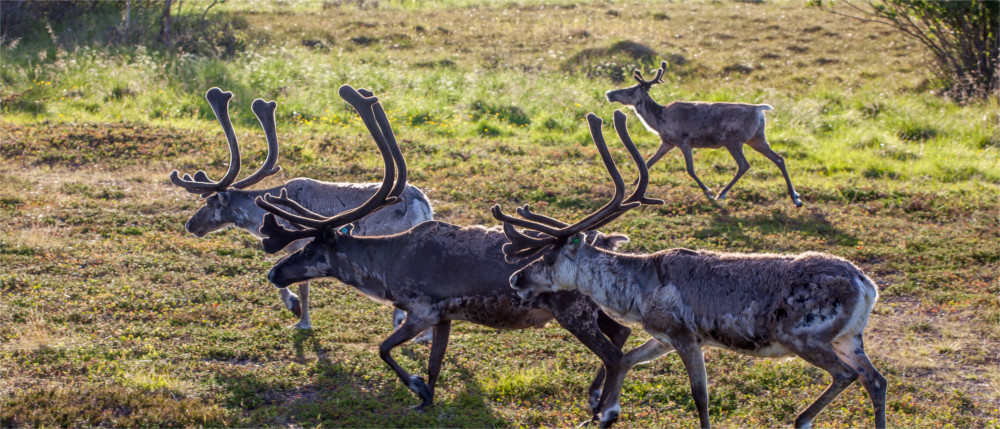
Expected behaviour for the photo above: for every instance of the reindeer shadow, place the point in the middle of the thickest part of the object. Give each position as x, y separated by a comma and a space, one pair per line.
342, 394
753, 231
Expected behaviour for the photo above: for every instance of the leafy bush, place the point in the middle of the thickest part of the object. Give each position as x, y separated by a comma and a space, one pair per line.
962, 36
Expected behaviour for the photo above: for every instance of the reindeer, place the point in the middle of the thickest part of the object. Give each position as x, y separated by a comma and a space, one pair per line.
688, 125
437, 272
228, 203
812, 305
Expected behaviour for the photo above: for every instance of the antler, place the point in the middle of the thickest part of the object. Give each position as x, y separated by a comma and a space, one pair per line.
372, 115
264, 111
201, 184
647, 83
521, 245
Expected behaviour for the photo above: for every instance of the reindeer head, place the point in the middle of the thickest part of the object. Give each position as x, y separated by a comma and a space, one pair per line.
636, 94
216, 213
316, 259
555, 245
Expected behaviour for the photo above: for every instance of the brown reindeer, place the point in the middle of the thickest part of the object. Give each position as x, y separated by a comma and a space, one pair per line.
228, 203
688, 125
812, 305
437, 272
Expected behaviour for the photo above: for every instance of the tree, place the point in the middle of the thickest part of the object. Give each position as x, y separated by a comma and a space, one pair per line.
962, 36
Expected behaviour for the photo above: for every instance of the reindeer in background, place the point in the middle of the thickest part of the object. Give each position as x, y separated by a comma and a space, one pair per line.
812, 305
437, 272
688, 125
228, 203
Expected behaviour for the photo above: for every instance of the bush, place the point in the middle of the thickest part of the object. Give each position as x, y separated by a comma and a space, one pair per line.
962, 36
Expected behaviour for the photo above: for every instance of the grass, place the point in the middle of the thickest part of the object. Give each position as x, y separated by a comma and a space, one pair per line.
112, 315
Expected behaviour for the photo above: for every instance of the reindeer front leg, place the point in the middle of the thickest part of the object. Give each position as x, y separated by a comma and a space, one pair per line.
409, 329
689, 163
585, 328
648, 351
297, 304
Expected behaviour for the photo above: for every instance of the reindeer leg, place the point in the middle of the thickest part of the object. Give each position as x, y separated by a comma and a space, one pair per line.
648, 351
304, 322
694, 363
689, 161
583, 325
618, 334
298, 305
742, 167
409, 329
853, 353
843, 375
759, 143
438, 347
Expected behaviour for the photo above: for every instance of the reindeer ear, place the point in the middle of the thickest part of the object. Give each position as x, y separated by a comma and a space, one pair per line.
223, 197
614, 241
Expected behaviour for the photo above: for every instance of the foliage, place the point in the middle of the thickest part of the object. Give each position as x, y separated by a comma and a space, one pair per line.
112, 315
963, 37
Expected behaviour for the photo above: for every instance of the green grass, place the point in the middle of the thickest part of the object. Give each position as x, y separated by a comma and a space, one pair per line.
112, 315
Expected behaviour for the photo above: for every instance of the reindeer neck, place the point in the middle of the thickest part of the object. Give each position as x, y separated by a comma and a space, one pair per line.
650, 113
244, 213
364, 262
616, 281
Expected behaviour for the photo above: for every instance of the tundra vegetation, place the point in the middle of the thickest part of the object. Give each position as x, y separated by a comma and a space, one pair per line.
111, 314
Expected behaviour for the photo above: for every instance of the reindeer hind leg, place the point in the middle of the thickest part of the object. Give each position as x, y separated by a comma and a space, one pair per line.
409, 329
852, 352
742, 166
689, 164
759, 143
843, 375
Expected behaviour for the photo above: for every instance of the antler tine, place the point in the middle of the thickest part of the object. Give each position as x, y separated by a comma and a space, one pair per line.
264, 111
270, 203
283, 199
201, 184
639, 194
615, 204
364, 106
499, 215
317, 222
637, 75
397, 155
278, 237
659, 73
525, 212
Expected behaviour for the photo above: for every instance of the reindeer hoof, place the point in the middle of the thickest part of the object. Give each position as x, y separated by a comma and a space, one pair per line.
610, 417
418, 386
301, 326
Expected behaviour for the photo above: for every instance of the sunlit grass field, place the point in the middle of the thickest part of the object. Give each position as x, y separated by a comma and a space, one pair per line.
112, 315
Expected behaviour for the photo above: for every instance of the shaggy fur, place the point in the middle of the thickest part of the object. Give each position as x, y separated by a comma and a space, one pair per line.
812, 305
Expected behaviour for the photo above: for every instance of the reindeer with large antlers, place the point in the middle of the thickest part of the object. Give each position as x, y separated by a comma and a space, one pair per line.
228, 203
689, 125
437, 272
812, 305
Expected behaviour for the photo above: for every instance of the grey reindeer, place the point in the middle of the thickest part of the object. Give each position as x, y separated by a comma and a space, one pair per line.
228, 203
437, 272
812, 305
688, 125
